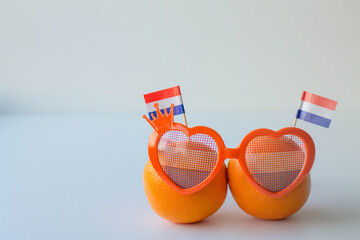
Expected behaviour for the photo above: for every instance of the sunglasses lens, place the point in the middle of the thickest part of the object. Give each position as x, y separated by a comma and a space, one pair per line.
275, 163
187, 161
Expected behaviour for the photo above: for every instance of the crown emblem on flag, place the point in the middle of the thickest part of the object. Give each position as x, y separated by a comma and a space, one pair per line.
162, 120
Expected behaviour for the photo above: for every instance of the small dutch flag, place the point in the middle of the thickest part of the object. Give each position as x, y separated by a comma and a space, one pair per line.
316, 109
165, 98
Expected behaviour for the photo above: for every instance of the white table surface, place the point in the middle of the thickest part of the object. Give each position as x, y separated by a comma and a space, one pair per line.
80, 177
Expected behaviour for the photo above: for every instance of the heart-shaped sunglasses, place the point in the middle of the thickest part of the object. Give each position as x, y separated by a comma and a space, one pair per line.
187, 159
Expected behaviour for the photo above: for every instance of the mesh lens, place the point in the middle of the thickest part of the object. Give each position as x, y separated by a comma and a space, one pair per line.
187, 161
275, 163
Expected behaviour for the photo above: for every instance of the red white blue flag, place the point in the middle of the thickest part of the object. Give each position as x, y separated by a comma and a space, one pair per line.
316, 109
165, 98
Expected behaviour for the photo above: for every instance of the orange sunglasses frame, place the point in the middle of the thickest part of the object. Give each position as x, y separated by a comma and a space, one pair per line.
165, 122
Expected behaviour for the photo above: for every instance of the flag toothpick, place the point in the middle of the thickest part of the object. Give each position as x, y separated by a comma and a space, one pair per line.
315, 109
185, 119
295, 122
165, 98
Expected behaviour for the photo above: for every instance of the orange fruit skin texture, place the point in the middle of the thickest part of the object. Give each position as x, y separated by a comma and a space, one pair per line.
257, 204
184, 208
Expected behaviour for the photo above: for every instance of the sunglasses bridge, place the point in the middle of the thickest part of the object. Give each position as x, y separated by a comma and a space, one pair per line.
231, 153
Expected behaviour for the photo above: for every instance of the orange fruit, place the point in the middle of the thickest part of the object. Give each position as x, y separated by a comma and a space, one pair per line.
257, 204
184, 208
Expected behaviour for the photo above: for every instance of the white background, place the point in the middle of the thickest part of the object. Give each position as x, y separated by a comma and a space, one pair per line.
100, 56
73, 143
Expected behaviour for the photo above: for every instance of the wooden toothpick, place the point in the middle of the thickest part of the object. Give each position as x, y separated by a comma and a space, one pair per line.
295, 122
185, 120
